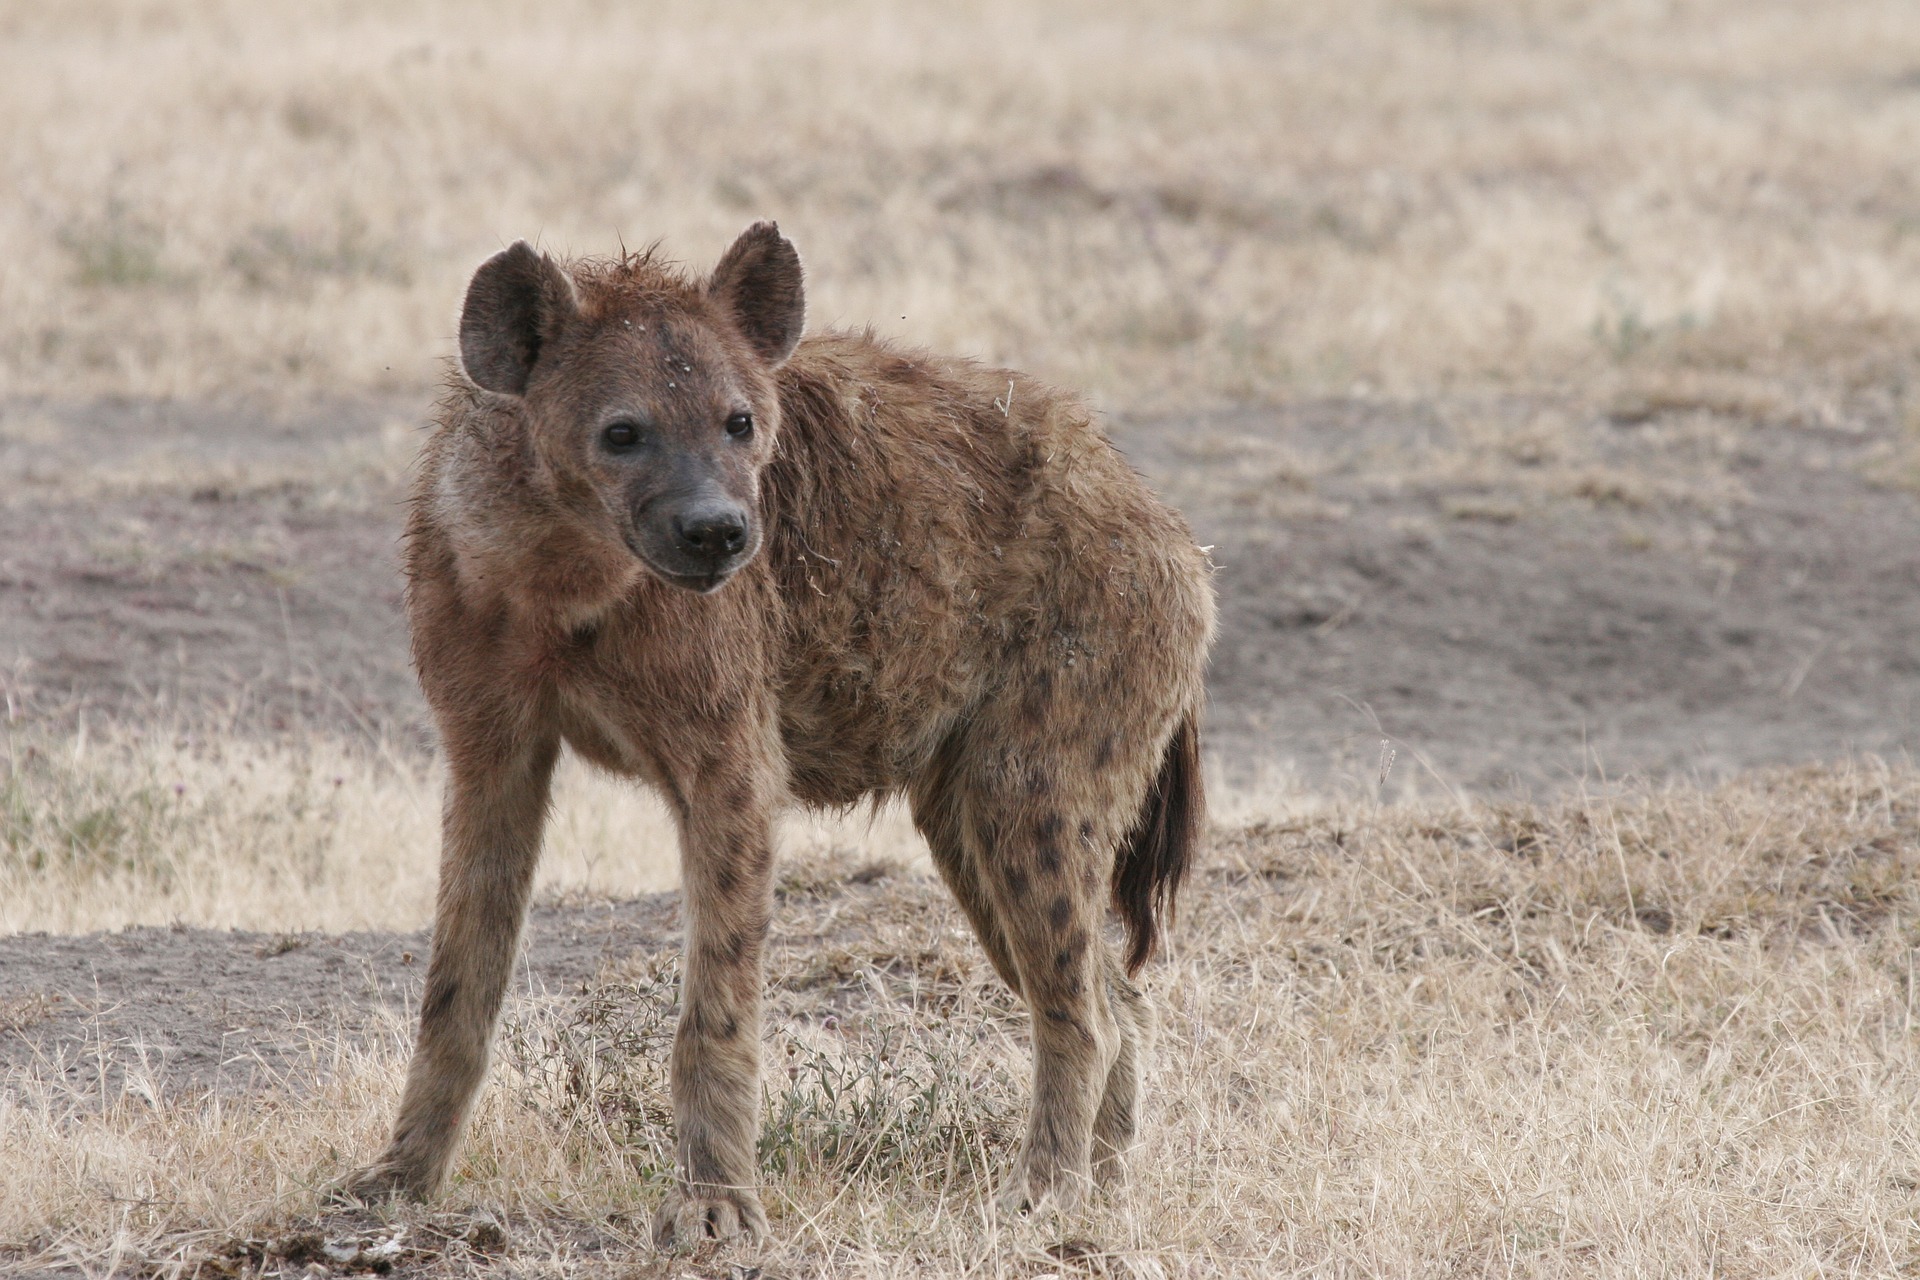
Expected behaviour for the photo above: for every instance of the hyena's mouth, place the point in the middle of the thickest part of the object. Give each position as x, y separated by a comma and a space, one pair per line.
699, 583
703, 581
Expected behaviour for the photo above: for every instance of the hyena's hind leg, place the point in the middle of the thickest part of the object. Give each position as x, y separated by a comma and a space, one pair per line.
939, 803
1045, 881
1057, 835
1118, 1119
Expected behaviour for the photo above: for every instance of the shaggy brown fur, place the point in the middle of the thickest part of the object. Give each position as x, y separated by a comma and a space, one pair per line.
747, 570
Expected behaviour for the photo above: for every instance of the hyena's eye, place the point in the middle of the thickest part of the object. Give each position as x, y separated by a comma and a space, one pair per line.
621, 435
740, 426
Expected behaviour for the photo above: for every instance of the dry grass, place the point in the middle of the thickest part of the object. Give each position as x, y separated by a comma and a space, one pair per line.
1226, 202
147, 829
1668, 1031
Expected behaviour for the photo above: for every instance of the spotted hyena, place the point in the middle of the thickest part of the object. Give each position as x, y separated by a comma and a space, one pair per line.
746, 568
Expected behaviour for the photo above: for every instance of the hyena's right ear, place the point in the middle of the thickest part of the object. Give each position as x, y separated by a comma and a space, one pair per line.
519, 301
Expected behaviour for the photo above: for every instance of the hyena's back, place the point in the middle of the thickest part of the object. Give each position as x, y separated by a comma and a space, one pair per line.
958, 546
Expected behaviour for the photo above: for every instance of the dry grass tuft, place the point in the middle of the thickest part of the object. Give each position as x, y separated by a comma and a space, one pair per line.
1668, 1030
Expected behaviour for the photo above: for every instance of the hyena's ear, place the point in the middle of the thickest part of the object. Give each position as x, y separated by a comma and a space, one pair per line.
759, 281
519, 301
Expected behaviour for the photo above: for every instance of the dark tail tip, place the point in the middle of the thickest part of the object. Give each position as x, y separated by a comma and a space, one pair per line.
1154, 859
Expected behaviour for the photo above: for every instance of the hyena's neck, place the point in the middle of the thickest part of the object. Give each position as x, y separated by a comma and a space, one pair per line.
516, 539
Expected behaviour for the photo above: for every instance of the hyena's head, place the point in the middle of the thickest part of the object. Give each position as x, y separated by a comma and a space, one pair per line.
650, 397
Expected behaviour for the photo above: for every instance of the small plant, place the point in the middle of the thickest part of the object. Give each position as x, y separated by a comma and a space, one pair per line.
601, 1068
119, 251
61, 819
887, 1100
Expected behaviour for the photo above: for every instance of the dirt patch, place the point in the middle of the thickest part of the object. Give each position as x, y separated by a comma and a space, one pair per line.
204, 1010
1513, 595
201, 1009
205, 566
1685, 594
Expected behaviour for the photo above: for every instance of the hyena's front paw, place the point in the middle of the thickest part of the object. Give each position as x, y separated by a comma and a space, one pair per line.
1036, 1186
383, 1181
690, 1215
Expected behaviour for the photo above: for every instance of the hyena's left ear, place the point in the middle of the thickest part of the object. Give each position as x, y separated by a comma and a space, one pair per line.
759, 281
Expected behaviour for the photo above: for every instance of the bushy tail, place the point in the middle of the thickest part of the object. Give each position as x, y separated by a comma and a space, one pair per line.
1154, 859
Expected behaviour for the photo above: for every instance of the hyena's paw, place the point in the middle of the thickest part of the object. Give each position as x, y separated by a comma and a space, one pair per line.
1109, 1167
687, 1217
378, 1183
1032, 1188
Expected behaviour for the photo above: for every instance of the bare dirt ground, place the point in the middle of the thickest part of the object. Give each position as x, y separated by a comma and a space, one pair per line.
202, 1010
1692, 597
1512, 604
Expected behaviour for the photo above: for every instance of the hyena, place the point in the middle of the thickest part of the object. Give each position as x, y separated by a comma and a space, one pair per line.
655, 524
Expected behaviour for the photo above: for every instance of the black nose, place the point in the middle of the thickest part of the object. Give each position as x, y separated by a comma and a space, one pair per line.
712, 531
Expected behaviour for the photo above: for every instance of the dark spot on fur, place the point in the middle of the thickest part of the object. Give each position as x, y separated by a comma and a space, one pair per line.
1049, 858
702, 1024
1046, 835
1039, 697
1086, 832
729, 948
737, 796
1060, 912
440, 998
586, 633
1103, 754
1016, 881
1066, 1021
724, 881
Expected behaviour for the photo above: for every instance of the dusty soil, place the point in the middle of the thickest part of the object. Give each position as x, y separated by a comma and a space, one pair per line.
199, 1009
1515, 595
1683, 595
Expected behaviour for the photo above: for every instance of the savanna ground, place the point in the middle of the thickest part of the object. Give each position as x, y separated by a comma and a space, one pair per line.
1539, 372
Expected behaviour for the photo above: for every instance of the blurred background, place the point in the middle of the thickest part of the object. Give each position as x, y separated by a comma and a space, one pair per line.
1540, 370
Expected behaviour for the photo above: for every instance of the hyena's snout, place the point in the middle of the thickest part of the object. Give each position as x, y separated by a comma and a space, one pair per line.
715, 530
699, 542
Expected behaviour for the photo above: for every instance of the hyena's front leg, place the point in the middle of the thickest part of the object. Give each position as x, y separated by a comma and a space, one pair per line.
727, 869
494, 810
